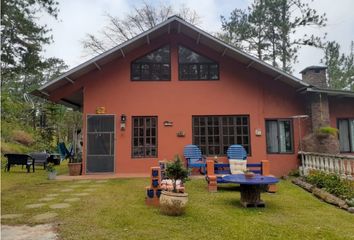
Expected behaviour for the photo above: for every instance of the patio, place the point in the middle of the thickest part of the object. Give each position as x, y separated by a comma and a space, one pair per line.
115, 209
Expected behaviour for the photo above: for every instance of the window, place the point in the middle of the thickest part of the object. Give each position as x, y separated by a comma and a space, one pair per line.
214, 134
144, 137
346, 135
155, 66
193, 66
279, 136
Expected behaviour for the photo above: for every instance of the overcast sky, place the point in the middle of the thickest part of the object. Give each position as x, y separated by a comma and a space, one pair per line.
79, 17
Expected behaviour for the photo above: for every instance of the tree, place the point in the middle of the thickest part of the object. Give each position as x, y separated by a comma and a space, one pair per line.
139, 20
23, 68
267, 30
22, 38
340, 66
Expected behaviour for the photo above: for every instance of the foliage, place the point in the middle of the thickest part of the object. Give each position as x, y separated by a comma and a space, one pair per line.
176, 171
294, 173
267, 29
332, 183
22, 37
7, 147
51, 167
138, 20
24, 69
328, 131
340, 66
22, 137
351, 202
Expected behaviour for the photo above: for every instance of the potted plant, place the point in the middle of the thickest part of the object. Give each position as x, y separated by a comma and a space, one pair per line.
52, 172
75, 165
173, 202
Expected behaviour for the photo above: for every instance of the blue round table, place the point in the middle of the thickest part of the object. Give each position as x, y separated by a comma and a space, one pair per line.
250, 188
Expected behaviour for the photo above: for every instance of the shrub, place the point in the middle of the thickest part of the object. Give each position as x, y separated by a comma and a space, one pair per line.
294, 173
22, 137
332, 183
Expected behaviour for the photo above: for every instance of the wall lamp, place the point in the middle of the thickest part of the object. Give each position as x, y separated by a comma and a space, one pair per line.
123, 119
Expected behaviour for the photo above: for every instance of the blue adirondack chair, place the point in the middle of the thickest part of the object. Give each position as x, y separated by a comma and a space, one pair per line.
236, 152
194, 158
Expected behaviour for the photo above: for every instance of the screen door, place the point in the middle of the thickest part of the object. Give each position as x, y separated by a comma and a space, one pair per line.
100, 143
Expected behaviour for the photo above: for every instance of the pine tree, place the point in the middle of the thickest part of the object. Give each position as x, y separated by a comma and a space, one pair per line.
340, 66
272, 25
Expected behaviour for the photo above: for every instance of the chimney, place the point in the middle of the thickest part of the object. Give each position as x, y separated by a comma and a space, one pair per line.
315, 76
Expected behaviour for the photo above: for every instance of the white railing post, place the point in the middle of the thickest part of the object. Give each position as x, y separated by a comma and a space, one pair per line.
339, 164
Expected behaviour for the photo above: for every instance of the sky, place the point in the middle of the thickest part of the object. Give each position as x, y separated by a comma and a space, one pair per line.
80, 17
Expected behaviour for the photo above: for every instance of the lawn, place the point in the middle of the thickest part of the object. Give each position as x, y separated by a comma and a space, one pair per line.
116, 210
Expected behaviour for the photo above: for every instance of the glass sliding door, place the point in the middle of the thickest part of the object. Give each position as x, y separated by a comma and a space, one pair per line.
100, 143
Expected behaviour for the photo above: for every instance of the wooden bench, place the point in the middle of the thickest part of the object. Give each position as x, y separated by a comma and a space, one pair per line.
40, 158
19, 159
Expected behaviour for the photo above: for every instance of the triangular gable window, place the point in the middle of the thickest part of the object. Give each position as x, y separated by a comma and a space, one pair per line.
154, 66
193, 66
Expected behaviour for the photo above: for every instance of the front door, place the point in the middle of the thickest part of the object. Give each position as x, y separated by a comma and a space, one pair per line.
100, 143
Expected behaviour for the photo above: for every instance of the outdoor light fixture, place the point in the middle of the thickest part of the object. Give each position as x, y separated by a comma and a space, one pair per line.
123, 120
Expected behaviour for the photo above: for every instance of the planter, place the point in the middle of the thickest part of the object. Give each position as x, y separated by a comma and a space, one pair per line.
52, 175
74, 169
173, 204
249, 175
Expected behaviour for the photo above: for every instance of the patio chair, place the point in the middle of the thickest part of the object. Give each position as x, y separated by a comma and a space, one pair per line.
40, 158
237, 157
194, 158
19, 159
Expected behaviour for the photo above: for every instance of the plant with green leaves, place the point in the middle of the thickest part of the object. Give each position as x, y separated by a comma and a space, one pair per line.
51, 168
327, 130
175, 170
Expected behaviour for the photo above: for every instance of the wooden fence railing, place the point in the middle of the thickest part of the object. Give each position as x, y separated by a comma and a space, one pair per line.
339, 164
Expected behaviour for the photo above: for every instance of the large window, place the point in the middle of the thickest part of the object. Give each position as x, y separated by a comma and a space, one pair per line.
346, 135
279, 136
155, 66
144, 137
214, 134
193, 66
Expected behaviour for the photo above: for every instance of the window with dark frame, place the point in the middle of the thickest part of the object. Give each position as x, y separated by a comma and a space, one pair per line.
214, 134
144, 137
193, 66
155, 66
279, 136
346, 135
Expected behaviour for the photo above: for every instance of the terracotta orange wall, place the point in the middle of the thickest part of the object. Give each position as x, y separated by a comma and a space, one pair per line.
239, 91
340, 108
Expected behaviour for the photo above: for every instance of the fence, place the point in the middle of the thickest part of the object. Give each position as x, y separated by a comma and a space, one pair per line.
339, 164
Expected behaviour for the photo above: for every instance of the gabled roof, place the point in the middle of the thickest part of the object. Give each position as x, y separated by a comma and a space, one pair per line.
174, 23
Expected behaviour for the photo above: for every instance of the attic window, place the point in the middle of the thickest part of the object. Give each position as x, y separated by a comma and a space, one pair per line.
193, 66
154, 66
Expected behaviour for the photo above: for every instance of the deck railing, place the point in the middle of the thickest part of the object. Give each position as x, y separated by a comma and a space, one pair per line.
339, 164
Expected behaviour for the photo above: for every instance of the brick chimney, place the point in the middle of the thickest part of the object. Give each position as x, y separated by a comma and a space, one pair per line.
318, 109
315, 76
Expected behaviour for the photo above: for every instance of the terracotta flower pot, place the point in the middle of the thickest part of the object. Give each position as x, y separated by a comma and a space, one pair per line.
173, 204
74, 169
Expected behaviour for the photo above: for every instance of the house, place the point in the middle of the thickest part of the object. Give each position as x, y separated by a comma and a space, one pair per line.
175, 84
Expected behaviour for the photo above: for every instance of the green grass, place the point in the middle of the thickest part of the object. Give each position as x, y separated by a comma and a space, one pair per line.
117, 211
